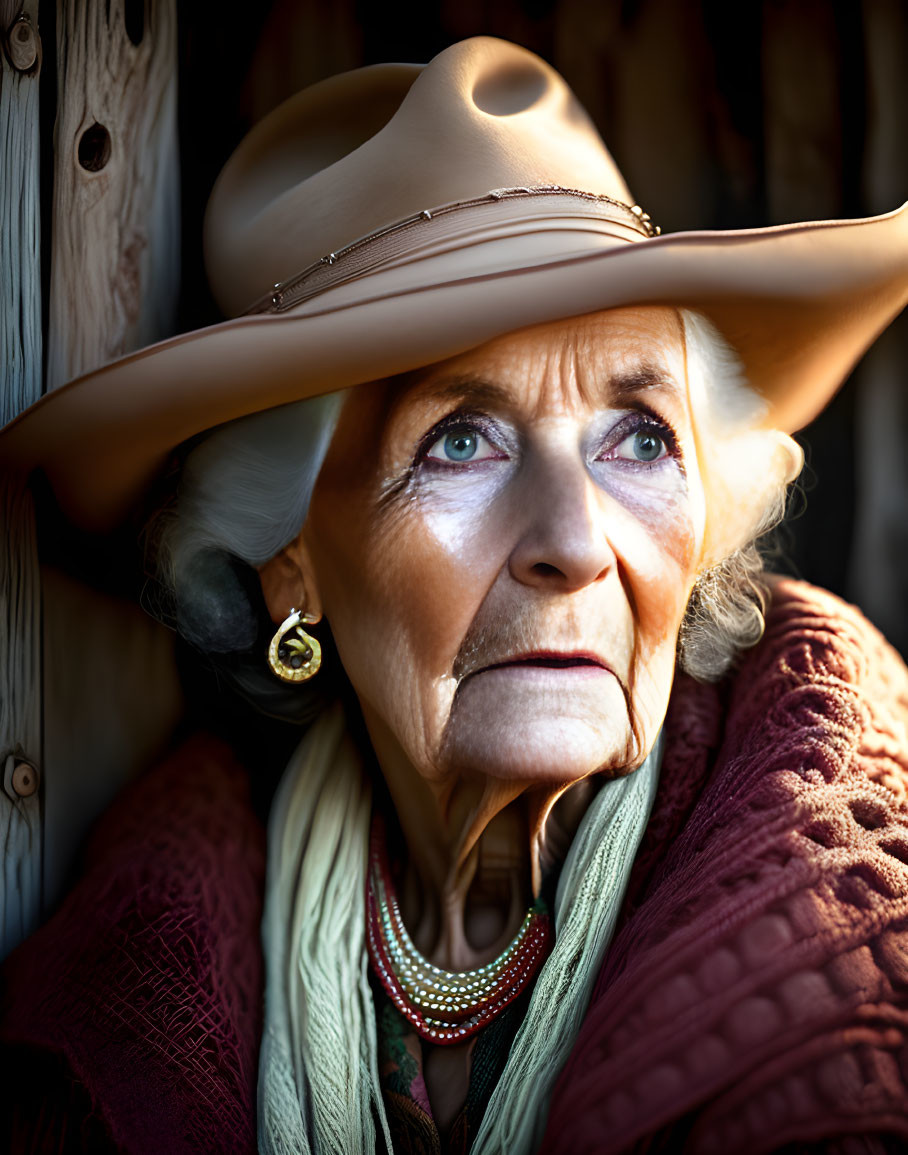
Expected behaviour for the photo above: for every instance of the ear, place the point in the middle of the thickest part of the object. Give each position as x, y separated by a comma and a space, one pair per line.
289, 582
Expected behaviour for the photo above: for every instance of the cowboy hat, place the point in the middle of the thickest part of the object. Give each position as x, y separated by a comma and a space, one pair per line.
396, 215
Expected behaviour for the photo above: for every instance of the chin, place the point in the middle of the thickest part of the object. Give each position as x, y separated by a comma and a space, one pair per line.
508, 729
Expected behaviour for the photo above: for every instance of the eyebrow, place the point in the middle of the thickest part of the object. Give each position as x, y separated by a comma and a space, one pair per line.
622, 386
640, 379
470, 387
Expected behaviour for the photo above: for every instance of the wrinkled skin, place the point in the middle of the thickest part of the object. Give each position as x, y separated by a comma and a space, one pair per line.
504, 544
536, 497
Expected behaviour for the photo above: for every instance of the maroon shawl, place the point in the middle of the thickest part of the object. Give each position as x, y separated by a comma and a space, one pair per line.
755, 995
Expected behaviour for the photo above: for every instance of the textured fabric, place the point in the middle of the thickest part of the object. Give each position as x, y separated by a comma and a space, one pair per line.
318, 1071
319, 1087
146, 984
590, 892
756, 996
400, 1050
511, 1077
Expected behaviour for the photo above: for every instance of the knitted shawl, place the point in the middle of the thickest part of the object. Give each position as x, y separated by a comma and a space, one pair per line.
757, 994
754, 998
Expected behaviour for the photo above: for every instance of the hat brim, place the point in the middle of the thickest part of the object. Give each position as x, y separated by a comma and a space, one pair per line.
799, 303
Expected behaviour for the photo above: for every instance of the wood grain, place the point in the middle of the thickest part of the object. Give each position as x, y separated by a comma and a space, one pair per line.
20, 715
115, 261
111, 702
20, 385
20, 220
878, 576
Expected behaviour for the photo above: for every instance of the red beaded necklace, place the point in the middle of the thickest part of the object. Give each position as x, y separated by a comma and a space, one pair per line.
444, 1006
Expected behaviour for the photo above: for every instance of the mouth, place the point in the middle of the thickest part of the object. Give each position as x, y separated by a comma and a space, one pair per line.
550, 659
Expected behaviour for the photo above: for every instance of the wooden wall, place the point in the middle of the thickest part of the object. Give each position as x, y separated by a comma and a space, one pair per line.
21, 751
89, 269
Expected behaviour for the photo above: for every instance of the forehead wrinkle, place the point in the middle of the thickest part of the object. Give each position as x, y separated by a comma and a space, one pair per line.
564, 366
621, 387
564, 375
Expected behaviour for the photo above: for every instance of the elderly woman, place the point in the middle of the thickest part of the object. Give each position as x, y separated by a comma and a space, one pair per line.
554, 867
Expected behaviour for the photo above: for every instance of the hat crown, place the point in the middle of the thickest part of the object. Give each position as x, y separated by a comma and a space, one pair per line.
353, 154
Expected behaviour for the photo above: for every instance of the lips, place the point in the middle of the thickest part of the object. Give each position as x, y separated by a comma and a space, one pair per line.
549, 659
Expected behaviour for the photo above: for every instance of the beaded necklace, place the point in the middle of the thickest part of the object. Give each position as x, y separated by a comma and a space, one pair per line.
444, 1006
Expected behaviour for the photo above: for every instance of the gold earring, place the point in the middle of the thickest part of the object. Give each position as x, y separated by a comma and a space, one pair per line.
294, 655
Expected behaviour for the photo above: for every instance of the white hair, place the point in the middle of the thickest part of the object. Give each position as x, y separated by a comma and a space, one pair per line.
244, 493
725, 612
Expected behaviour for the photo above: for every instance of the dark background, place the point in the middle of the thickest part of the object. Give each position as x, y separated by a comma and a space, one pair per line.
720, 116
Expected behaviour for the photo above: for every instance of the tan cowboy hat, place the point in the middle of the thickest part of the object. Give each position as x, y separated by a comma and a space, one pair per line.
396, 215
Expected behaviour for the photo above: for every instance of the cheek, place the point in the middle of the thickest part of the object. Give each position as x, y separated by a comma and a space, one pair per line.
657, 550
441, 552
668, 508
662, 585
658, 561
659, 606
400, 588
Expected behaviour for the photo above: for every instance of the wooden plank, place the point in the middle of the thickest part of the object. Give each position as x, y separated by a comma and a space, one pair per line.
110, 691
20, 718
115, 262
802, 126
638, 71
114, 283
20, 385
20, 221
806, 74
302, 41
878, 575
111, 702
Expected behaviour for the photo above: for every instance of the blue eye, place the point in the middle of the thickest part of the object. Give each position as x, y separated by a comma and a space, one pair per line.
645, 445
460, 445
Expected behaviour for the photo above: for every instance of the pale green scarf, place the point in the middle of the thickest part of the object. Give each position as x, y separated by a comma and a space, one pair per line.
319, 1090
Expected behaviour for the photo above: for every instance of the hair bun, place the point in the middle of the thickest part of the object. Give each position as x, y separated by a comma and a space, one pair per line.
218, 602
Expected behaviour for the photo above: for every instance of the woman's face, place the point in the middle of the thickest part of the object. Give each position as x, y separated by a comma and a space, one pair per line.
504, 544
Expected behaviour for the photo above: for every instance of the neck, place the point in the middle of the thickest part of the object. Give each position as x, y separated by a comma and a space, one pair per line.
474, 855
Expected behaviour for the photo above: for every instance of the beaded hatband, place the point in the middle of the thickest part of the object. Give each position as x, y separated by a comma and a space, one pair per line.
444, 1006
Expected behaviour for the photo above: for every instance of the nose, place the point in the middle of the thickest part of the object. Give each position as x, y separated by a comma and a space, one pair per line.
563, 543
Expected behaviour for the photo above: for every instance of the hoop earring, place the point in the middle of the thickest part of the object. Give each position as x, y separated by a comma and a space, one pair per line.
294, 655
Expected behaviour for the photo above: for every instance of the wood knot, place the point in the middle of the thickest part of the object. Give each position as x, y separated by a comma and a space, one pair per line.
24, 779
94, 148
22, 44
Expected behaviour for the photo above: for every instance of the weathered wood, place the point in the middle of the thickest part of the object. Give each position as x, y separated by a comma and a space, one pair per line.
115, 258
20, 385
20, 221
110, 689
22, 44
802, 123
20, 717
114, 282
302, 41
111, 702
652, 126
